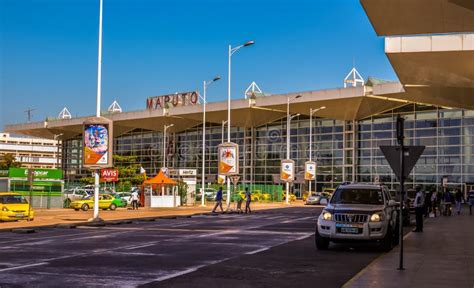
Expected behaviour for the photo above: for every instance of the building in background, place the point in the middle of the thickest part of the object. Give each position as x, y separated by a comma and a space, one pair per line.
31, 152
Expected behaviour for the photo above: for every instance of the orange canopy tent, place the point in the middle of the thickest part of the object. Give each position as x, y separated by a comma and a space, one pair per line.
160, 178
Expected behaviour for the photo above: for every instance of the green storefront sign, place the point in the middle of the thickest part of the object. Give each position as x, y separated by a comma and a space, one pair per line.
38, 174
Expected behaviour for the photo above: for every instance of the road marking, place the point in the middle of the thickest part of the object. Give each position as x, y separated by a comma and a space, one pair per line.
258, 251
180, 273
141, 246
22, 266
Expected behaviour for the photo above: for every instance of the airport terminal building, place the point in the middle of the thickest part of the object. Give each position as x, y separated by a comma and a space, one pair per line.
433, 59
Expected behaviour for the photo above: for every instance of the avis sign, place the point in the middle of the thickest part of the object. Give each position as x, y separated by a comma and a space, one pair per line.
109, 175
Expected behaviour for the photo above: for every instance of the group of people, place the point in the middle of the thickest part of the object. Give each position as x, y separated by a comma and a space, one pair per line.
248, 199
428, 204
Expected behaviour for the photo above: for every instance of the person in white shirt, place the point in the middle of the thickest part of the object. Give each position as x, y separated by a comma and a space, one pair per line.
419, 205
134, 197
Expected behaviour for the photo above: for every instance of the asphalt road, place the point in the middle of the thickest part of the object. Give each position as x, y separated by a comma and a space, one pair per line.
271, 248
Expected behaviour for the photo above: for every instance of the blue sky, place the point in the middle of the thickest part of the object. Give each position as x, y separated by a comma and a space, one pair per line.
48, 50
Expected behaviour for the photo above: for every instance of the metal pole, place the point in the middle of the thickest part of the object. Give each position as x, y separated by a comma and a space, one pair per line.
228, 119
203, 146
288, 145
400, 136
164, 146
99, 83
310, 141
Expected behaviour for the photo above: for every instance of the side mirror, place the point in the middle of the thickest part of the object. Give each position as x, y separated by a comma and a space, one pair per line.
323, 201
392, 203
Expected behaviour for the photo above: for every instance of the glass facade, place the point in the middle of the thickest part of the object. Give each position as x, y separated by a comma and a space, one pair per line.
343, 150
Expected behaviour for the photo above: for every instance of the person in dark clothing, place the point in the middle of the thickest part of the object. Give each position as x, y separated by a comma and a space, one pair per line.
428, 203
218, 201
448, 201
419, 209
458, 200
470, 200
248, 199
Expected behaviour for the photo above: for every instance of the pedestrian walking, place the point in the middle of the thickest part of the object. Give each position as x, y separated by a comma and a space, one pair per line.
419, 209
470, 199
428, 205
458, 197
248, 199
448, 201
218, 201
134, 197
434, 201
240, 199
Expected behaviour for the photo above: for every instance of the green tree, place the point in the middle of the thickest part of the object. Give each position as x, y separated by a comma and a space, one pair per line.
129, 172
8, 160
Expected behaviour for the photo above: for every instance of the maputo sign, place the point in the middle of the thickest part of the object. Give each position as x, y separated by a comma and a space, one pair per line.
172, 100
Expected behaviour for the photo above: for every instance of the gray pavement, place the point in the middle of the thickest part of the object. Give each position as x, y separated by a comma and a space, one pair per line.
272, 248
441, 256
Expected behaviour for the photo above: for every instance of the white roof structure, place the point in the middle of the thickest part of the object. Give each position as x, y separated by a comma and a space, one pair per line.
64, 114
253, 90
115, 107
353, 79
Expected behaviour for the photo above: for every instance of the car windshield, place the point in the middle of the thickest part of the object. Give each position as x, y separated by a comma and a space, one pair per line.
12, 199
357, 196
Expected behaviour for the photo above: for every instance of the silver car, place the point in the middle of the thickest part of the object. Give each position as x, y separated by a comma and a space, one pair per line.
359, 212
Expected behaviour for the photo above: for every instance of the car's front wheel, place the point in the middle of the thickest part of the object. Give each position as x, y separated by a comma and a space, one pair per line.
322, 243
113, 207
85, 207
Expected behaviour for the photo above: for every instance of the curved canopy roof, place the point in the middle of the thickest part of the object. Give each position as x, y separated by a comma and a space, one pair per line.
341, 104
404, 17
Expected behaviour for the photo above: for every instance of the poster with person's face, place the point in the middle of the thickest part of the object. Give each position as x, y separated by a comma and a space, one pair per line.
96, 143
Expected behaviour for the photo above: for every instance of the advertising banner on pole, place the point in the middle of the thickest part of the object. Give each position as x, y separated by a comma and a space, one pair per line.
309, 170
287, 171
97, 143
228, 159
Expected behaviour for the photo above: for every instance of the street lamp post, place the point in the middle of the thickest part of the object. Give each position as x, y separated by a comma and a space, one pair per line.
99, 85
311, 113
164, 143
204, 100
288, 136
231, 52
223, 128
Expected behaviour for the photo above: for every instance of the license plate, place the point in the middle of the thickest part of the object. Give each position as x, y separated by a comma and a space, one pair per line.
349, 230
19, 215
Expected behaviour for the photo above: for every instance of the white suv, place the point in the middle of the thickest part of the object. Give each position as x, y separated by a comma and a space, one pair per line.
359, 212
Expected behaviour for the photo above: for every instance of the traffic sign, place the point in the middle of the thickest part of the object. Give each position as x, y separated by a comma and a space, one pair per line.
411, 154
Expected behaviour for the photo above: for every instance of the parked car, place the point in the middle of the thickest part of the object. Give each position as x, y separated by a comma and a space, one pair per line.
209, 194
125, 196
106, 201
317, 198
359, 212
75, 194
13, 207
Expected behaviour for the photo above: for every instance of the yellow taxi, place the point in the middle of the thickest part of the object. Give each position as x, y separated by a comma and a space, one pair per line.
13, 207
106, 201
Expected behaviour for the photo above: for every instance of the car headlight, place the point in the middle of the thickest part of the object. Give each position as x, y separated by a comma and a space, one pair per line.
327, 216
376, 217
5, 209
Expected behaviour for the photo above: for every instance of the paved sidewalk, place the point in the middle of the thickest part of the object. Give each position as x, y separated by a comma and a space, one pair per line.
441, 256
49, 217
